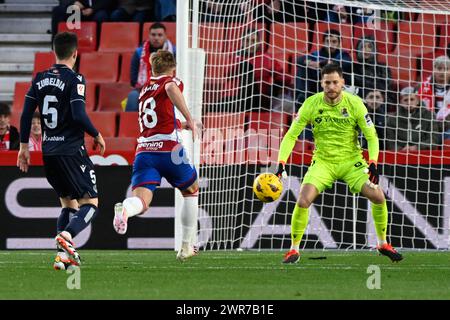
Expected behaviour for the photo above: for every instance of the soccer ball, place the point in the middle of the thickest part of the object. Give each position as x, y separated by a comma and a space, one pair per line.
267, 187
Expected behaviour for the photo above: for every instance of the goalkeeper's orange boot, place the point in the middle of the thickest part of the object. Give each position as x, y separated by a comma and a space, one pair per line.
387, 250
292, 256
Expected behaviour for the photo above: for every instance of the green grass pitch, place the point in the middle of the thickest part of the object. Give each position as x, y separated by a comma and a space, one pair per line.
154, 274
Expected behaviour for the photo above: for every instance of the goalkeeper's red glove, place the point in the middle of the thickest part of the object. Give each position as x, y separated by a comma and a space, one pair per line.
281, 172
374, 176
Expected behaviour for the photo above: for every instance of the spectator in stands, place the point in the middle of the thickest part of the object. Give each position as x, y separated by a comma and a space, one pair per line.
261, 69
433, 90
35, 142
369, 74
413, 127
9, 135
165, 10
376, 106
133, 10
91, 10
140, 63
309, 66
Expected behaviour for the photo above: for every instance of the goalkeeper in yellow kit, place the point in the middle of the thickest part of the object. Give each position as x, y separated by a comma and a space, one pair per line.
335, 116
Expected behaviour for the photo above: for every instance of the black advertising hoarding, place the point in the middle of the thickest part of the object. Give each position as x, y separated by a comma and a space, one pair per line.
418, 215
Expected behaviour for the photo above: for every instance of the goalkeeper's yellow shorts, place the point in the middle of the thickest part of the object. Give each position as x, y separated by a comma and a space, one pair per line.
323, 174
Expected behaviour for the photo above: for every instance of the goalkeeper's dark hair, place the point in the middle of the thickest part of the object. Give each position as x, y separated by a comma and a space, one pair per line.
65, 44
331, 68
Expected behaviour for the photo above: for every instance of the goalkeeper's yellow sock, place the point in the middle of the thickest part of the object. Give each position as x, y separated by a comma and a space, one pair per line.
298, 226
380, 218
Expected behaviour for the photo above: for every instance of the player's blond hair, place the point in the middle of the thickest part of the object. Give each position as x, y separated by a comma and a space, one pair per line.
162, 61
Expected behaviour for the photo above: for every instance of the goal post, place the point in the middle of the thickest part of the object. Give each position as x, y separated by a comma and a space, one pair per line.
257, 73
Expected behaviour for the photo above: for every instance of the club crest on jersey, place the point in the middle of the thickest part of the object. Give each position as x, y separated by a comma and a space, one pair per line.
344, 112
368, 120
320, 111
80, 89
318, 120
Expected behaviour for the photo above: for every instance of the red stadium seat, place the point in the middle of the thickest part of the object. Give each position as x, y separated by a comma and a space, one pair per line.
111, 95
444, 39
119, 37
43, 61
427, 62
224, 120
291, 37
105, 122
211, 37
120, 143
87, 35
14, 119
218, 67
272, 120
125, 67
344, 29
91, 96
128, 124
20, 90
171, 31
100, 67
403, 68
234, 32
415, 38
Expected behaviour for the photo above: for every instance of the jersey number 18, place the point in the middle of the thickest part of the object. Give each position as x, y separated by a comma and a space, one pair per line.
147, 108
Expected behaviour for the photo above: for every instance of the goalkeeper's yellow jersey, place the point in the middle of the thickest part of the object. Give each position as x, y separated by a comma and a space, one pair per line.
335, 129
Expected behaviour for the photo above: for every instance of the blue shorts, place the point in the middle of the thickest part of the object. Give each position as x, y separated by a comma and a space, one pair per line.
150, 167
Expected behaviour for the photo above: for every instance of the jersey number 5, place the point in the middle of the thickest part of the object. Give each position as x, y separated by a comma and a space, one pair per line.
147, 108
53, 112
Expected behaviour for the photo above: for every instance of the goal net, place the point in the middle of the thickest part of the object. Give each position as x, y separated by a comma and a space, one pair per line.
263, 60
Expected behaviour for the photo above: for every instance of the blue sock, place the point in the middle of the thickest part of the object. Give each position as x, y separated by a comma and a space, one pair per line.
63, 219
81, 219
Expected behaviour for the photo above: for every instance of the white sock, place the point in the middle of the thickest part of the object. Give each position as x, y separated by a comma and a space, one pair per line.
189, 215
295, 247
133, 206
381, 242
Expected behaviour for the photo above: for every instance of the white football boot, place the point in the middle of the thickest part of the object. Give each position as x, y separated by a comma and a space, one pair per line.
187, 252
120, 221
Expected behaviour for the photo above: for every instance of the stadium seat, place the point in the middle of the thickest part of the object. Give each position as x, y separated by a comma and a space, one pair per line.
91, 96
291, 37
121, 143
125, 65
217, 71
119, 37
111, 95
224, 120
100, 67
128, 124
14, 119
383, 33
233, 35
272, 120
444, 39
20, 90
171, 31
427, 62
344, 29
211, 37
403, 68
415, 38
87, 35
105, 122
43, 61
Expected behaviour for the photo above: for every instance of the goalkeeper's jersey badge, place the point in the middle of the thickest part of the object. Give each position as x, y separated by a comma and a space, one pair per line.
344, 112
